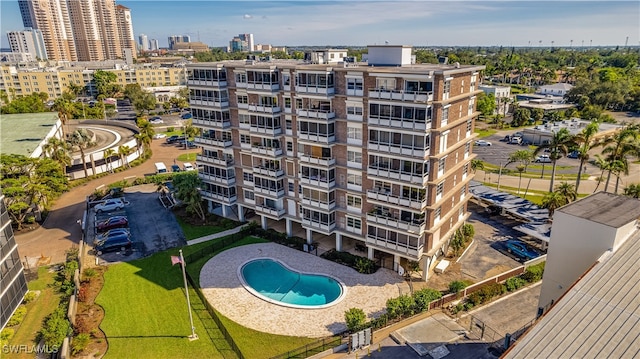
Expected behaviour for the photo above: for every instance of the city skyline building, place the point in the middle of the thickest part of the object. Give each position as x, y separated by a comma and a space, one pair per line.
28, 41
143, 41
376, 156
125, 29
174, 39
154, 45
53, 20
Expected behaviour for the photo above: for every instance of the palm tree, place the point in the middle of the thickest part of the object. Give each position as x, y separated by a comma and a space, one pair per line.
524, 157
146, 132
108, 154
559, 146
59, 151
617, 147
585, 140
123, 152
633, 190
618, 168
552, 201
82, 139
603, 165
567, 191
477, 165
188, 190
65, 111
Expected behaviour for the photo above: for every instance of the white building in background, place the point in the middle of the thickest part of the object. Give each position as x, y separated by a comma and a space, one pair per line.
326, 56
143, 41
502, 95
559, 89
29, 41
154, 45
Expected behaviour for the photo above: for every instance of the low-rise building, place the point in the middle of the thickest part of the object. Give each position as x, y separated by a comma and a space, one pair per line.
542, 134
502, 95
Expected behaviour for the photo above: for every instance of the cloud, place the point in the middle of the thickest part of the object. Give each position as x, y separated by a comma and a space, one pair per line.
247, 16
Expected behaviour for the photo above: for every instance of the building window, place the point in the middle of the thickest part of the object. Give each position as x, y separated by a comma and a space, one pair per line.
354, 224
243, 98
441, 165
245, 139
353, 110
436, 215
287, 102
439, 190
288, 124
354, 179
247, 177
354, 84
249, 195
353, 156
354, 201
354, 133
445, 116
299, 103
447, 87
289, 146
292, 187
469, 124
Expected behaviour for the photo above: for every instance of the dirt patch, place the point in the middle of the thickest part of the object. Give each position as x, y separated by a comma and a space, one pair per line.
498, 269
89, 315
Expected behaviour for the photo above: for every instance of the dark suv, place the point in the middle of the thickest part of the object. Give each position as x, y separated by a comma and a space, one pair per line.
117, 242
175, 138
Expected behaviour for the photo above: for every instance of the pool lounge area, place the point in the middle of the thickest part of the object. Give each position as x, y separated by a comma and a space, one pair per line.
223, 288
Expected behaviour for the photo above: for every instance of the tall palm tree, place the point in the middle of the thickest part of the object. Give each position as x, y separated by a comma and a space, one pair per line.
108, 154
477, 165
146, 132
618, 146
59, 151
603, 165
65, 111
567, 191
124, 151
632, 190
524, 157
552, 201
81, 139
585, 140
559, 146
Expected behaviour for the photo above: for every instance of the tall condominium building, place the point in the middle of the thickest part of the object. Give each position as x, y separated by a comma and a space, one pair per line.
242, 42
374, 155
79, 30
174, 39
13, 284
125, 29
144, 42
29, 41
154, 45
52, 18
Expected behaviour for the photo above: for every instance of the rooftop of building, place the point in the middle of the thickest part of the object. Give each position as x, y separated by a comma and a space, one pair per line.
574, 125
557, 86
22, 133
598, 316
494, 87
605, 208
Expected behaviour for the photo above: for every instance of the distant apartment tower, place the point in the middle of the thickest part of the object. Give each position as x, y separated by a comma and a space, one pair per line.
79, 30
377, 157
174, 39
13, 284
52, 18
125, 29
143, 41
154, 45
29, 41
242, 43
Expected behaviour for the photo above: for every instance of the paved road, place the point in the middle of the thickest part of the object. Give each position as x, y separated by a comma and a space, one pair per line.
60, 230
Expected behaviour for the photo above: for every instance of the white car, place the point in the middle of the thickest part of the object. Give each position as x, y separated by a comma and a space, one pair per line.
543, 159
110, 205
159, 135
482, 143
188, 166
156, 120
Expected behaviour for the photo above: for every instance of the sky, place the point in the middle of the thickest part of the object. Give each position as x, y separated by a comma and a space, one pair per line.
361, 23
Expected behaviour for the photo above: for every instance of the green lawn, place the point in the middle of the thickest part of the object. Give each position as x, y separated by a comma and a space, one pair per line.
44, 305
482, 133
193, 232
187, 157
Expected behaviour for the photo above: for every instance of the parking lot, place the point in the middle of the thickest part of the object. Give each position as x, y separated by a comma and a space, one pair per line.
153, 228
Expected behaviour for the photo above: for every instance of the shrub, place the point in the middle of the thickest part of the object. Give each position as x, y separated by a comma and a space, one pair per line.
514, 283
456, 286
5, 335
18, 316
364, 265
82, 293
468, 231
534, 273
407, 305
355, 319
29, 297
55, 328
394, 308
89, 273
171, 129
423, 297
79, 343
474, 299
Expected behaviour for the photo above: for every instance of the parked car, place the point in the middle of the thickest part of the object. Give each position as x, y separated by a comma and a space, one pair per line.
156, 120
111, 223
186, 116
112, 233
110, 205
521, 250
175, 168
543, 159
482, 143
191, 144
113, 244
188, 166
515, 140
159, 135
573, 154
174, 138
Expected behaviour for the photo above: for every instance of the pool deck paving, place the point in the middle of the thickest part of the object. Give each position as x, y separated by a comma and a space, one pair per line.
222, 287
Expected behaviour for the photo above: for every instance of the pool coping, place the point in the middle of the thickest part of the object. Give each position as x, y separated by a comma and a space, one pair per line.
343, 286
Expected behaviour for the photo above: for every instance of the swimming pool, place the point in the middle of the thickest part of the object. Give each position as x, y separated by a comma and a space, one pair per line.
272, 281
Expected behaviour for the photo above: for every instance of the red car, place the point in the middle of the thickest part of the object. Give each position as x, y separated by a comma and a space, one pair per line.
112, 222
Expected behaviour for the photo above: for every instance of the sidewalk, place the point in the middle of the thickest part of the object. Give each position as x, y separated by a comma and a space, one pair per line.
215, 235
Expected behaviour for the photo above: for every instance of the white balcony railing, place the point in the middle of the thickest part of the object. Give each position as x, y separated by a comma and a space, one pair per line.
263, 87
395, 175
323, 205
219, 180
215, 160
399, 95
211, 123
414, 253
268, 171
213, 142
310, 113
323, 227
267, 131
209, 103
407, 125
275, 212
207, 83
269, 151
394, 223
218, 197
265, 109
322, 183
394, 199
317, 137
322, 161
410, 152
316, 90
273, 192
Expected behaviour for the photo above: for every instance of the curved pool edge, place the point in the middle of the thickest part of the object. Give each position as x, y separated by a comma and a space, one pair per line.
250, 289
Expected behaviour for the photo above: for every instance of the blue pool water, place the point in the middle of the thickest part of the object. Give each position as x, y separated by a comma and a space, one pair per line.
274, 281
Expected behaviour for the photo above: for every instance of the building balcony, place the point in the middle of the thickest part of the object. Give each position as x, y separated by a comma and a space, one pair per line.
275, 173
410, 152
273, 212
318, 182
211, 123
213, 142
322, 227
383, 196
399, 248
263, 87
266, 131
265, 109
207, 83
322, 161
243, 106
218, 180
316, 90
317, 204
215, 161
229, 200
310, 113
395, 175
356, 118
269, 151
355, 92
399, 95
209, 103
271, 192
316, 137
388, 220
407, 125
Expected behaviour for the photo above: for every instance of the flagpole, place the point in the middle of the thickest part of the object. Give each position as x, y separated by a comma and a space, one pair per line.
193, 335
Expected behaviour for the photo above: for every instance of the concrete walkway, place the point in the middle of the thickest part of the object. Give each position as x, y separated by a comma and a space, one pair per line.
216, 235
